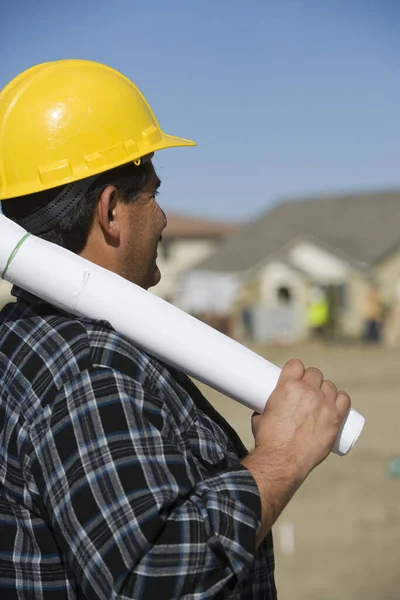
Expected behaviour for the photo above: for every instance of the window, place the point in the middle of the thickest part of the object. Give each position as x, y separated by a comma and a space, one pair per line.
284, 295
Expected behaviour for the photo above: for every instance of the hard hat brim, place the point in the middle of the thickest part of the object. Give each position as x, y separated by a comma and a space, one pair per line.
165, 141
170, 141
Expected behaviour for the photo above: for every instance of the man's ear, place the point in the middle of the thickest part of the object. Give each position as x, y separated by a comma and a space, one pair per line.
108, 215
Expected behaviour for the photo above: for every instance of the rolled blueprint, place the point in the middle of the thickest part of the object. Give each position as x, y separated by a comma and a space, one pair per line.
80, 287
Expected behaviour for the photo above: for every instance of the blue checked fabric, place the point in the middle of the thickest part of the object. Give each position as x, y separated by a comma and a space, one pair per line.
118, 480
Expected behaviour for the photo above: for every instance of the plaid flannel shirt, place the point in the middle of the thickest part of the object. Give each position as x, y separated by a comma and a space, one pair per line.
117, 478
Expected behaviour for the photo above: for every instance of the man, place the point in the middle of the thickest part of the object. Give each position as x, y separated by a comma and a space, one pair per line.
318, 313
118, 478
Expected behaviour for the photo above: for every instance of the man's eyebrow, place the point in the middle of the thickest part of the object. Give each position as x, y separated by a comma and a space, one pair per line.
158, 183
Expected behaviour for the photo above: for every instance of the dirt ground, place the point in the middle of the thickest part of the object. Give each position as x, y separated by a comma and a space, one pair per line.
339, 538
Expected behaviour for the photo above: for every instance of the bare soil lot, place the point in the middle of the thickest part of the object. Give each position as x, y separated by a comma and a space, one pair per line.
340, 536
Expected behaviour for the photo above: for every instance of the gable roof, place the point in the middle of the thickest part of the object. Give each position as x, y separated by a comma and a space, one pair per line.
363, 227
182, 226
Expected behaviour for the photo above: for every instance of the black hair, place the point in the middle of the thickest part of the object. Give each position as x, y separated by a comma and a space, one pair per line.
72, 230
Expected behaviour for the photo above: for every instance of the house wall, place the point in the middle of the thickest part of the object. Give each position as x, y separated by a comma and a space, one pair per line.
5, 295
321, 265
324, 268
175, 256
208, 292
276, 275
352, 319
271, 320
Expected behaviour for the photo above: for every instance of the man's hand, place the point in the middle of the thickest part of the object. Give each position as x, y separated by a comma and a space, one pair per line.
302, 417
295, 433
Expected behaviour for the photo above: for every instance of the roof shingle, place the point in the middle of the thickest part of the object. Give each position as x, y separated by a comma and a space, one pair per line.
363, 227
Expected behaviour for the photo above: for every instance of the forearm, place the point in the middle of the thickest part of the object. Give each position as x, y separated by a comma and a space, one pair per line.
277, 479
293, 435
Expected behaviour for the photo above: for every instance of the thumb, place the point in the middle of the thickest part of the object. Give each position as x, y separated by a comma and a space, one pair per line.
343, 404
293, 369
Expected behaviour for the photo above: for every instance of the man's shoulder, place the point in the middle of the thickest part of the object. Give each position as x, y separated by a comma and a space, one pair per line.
39, 341
113, 350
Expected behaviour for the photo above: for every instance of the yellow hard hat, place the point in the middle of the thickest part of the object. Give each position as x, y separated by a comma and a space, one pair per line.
67, 120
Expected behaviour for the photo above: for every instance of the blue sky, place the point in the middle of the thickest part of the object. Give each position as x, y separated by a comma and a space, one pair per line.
284, 97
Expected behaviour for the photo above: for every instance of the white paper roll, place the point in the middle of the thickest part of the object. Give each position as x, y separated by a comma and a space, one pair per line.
78, 286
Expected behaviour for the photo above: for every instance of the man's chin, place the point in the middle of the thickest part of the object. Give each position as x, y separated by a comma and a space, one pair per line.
156, 277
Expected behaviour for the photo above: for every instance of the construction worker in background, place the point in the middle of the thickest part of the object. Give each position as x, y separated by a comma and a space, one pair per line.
318, 313
372, 313
118, 478
391, 325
